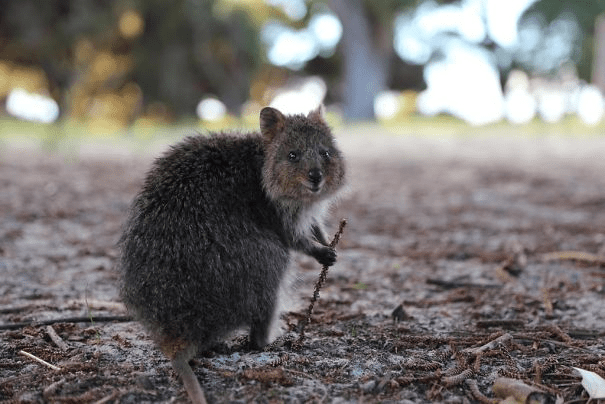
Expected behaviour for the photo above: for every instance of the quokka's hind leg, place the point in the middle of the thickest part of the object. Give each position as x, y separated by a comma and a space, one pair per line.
179, 353
259, 331
268, 327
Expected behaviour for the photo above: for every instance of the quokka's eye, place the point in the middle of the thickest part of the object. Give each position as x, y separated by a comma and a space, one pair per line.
325, 154
294, 156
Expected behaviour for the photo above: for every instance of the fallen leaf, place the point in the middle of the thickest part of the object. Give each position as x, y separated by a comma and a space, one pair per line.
517, 392
593, 383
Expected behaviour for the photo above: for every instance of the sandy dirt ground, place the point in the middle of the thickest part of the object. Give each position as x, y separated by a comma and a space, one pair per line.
464, 261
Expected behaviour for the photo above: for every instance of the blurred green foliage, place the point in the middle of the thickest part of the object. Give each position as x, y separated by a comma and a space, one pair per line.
586, 13
115, 60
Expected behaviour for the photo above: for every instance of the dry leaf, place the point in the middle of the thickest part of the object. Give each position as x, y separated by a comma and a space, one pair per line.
593, 383
516, 392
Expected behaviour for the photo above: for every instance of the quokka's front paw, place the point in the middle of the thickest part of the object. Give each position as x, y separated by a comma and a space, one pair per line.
325, 256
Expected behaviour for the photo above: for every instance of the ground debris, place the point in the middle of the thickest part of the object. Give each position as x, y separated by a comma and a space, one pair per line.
454, 273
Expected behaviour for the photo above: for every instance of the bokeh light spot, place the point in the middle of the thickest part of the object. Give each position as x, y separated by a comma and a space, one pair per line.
131, 24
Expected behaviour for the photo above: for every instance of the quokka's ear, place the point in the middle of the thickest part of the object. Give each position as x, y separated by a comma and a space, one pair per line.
317, 114
271, 123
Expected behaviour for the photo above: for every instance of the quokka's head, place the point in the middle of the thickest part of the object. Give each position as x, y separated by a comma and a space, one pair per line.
302, 162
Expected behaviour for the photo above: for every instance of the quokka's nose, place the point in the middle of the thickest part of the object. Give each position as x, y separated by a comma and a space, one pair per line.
315, 175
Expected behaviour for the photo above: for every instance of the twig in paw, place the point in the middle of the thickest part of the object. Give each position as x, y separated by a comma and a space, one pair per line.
318, 285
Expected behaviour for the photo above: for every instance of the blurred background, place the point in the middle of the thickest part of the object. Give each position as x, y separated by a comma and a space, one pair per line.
120, 66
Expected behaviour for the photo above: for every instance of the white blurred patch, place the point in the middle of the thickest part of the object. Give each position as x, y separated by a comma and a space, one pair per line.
293, 48
327, 30
590, 105
502, 18
409, 43
465, 83
519, 106
462, 18
543, 47
386, 104
211, 109
294, 9
301, 98
32, 107
419, 34
517, 80
552, 105
463, 45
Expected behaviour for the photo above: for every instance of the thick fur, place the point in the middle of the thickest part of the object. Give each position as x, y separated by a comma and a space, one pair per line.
209, 237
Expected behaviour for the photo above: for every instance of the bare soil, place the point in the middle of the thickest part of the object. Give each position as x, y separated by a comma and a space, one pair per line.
454, 271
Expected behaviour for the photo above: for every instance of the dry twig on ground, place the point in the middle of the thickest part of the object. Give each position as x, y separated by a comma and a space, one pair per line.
87, 319
53, 367
574, 255
56, 338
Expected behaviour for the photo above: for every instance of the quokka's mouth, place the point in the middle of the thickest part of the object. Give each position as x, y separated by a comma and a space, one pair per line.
314, 188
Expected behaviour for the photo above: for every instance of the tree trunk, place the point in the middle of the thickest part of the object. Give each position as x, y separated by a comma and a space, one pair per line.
598, 61
365, 60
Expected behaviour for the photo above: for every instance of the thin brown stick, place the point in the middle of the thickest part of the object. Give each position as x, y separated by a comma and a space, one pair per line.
97, 304
501, 340
25, 307
319, 284
91, 303
108, 398
574, 255
556, 330
98, 319
500, 323
56, 338
49, 391
53, 367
